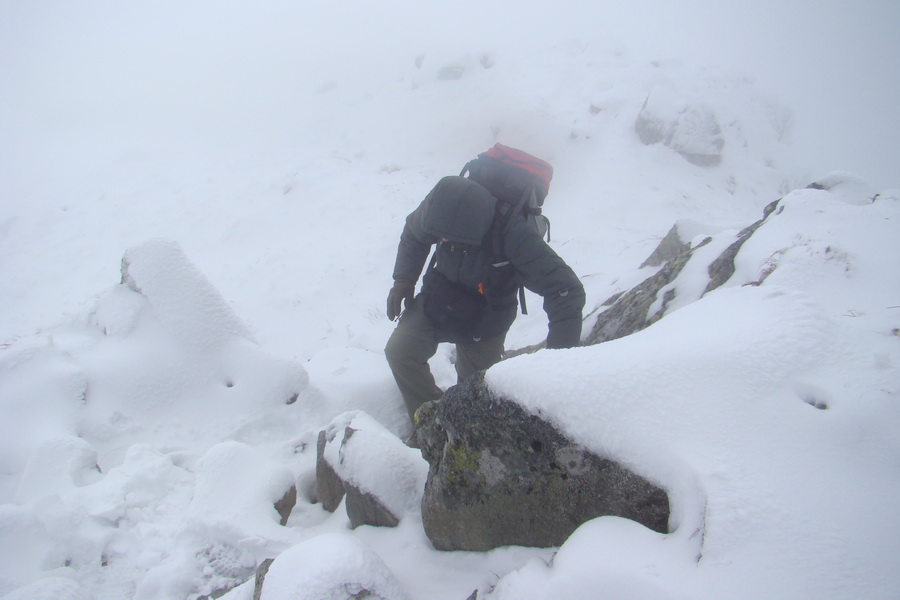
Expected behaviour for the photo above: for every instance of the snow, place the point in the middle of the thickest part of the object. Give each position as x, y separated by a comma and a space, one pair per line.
334, 565
197, 227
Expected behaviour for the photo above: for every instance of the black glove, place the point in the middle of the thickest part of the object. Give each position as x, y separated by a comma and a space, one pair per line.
402, 291
564, 334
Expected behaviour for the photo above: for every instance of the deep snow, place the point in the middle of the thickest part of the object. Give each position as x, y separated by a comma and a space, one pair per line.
150, 424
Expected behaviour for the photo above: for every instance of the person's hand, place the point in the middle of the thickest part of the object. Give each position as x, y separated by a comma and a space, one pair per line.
401, 293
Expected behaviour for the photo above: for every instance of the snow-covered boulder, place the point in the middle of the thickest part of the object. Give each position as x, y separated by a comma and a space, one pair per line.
329, 486
335, 566
846, 186
500, 476
264, 487
689, 128
383, 478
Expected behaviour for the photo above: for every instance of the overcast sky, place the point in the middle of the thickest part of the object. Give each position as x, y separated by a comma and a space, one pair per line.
836, 63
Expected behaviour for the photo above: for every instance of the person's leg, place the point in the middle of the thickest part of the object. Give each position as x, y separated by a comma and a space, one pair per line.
478, 356
407, 352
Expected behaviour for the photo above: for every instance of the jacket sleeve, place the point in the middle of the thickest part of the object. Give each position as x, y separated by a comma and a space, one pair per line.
414, 246
543, 272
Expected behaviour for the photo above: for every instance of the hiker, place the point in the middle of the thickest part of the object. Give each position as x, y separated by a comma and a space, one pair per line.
489, 245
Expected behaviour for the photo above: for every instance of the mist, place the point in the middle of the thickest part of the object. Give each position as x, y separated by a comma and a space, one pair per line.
95, 85
200, 204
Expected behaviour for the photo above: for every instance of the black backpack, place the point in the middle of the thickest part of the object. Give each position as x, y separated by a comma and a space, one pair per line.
519, 182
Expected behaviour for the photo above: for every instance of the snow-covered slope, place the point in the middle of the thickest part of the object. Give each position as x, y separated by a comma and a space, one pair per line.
150, 423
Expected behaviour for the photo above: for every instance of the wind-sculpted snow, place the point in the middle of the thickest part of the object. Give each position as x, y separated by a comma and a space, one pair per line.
184, 361
159, 357
182, 299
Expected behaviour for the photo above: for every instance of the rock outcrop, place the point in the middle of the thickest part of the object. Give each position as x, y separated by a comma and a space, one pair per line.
499, 476
630, 311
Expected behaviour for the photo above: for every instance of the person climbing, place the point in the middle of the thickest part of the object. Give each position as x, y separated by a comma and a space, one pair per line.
489, 238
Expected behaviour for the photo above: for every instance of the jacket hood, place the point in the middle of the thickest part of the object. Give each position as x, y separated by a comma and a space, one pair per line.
459, 210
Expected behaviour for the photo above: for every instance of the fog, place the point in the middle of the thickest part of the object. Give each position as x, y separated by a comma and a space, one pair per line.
86, 83
277, 148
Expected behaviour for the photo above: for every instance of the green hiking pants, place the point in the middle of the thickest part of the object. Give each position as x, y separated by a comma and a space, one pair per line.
413, 343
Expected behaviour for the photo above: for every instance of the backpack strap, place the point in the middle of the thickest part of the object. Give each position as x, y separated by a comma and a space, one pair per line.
496, 164
492, 173
502, 222
519, 207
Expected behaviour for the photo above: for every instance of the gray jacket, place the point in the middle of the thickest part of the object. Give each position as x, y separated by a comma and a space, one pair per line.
461, 212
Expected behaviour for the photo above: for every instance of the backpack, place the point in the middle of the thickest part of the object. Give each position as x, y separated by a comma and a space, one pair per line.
518, 180
520, 183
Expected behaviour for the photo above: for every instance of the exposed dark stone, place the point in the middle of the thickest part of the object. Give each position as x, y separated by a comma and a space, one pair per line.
499, 476
287, 504
329, 485
363, 506
629, 313
261, 577
721, 269
525, 350
365, 509
668, 249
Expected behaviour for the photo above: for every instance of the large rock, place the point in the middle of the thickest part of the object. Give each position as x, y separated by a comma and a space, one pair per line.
381, 478
689, 128
499, 476
330, 488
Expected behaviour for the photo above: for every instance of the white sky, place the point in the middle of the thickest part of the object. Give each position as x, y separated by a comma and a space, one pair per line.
72, 67
836, 63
